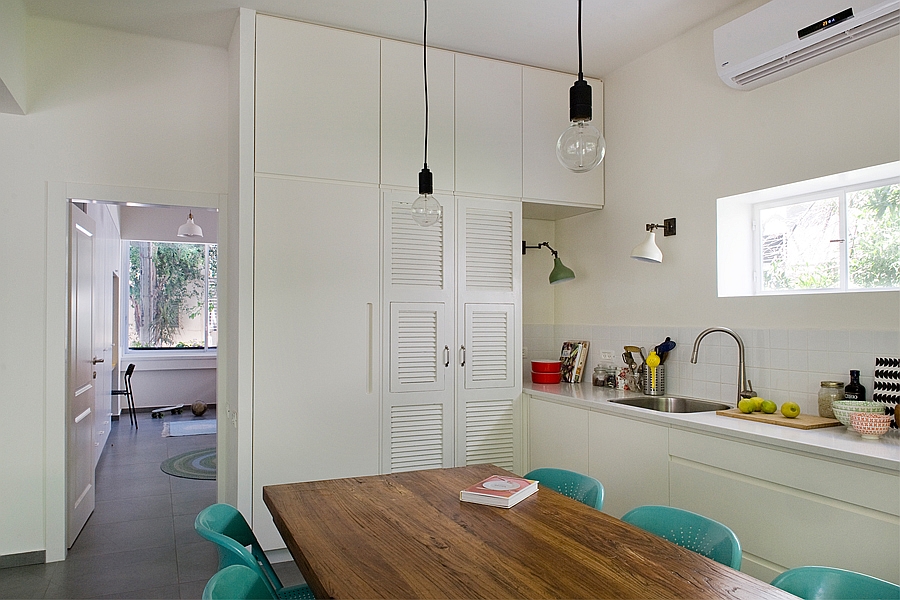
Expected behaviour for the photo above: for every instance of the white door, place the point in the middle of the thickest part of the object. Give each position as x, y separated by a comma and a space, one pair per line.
80, 400
489, 291
417, 418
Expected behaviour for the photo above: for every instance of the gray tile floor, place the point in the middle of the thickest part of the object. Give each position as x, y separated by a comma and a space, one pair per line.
140, 541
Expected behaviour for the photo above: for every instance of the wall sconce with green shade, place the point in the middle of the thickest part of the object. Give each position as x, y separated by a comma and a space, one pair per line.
560, 272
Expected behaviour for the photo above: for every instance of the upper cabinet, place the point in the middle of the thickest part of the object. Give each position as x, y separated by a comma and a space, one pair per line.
317, 101
488, 127
545, 108
403, 115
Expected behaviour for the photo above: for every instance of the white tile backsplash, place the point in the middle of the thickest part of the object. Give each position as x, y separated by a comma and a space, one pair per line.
782, 364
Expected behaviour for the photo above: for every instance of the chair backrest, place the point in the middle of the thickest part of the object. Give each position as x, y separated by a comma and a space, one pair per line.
689, 530
225, 526
583, 488
828, 582
129, 370
237, 582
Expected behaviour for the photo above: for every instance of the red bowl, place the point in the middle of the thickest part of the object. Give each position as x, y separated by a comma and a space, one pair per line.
546, 366
537, 377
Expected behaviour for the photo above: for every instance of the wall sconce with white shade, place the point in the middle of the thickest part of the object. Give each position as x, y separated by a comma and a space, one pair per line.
190, 229
647, 250
560, 272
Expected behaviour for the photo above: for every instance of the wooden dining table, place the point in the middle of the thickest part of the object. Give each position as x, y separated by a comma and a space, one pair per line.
408, 535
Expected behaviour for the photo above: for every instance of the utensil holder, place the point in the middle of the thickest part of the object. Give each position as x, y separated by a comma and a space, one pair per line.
654, 385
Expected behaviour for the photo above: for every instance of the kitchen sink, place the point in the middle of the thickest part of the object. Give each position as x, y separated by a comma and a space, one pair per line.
672, 404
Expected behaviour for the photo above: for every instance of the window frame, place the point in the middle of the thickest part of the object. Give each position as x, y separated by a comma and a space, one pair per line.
125, 312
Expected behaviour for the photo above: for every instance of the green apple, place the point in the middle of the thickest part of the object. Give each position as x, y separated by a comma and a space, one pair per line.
746, 405
769, 407
790, 410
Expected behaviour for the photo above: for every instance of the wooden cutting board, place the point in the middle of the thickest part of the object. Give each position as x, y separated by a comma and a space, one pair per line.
800, 422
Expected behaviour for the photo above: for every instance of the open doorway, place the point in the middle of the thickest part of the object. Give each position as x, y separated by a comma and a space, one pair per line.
111, 329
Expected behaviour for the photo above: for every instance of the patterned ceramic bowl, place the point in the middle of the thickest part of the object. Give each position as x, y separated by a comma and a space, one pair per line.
843, 409
869, 425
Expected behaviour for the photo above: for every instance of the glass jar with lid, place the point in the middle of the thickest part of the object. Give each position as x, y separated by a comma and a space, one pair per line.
599, 377
828, 393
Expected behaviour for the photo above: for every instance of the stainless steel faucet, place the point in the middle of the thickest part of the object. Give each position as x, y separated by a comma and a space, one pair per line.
745, 388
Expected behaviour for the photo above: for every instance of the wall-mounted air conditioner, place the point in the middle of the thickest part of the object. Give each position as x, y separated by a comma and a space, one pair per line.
783, 37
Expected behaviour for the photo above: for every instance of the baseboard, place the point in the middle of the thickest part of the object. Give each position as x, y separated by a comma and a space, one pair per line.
22, 559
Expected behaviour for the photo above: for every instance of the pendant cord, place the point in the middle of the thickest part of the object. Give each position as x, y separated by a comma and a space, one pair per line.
580, 74
425, 74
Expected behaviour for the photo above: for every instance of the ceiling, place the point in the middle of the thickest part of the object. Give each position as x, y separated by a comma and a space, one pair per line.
541, 33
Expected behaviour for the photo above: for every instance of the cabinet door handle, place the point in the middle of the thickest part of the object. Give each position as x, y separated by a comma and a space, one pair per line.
462, 361
446, 356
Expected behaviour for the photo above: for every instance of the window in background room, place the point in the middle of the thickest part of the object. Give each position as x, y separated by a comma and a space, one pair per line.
172, 301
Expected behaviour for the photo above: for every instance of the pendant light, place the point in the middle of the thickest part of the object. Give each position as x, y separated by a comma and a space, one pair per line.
190, 229
581, 147
426, 210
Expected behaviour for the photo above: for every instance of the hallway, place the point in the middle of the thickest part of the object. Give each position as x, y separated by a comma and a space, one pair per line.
140, 541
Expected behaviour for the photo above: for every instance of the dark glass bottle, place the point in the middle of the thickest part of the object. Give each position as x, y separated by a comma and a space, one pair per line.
854, 390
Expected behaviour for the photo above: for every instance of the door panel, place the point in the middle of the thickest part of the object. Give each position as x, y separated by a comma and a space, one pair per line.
81, 393
417, 413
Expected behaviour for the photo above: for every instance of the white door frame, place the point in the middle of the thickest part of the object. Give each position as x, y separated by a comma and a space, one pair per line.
56, 339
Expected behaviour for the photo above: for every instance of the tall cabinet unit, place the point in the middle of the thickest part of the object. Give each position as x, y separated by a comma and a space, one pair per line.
316, 349
380, 345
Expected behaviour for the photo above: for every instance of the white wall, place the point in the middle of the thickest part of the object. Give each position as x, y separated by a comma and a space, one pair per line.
161, 223
679, 138
105, 108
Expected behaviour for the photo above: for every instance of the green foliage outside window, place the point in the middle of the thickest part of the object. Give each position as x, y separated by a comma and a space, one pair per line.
167, 287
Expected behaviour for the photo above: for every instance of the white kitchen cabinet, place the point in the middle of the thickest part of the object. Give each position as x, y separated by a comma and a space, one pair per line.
403, 115
452, 304
790, 509
316, 345
558, 436
488, 146
631, 459
317, 101
545, 115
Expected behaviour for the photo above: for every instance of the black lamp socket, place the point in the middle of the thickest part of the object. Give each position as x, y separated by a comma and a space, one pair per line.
580, 101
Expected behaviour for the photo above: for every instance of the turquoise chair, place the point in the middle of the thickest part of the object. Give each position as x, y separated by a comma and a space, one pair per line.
225, 526
237, 582
827, 582
689, 530
583, 488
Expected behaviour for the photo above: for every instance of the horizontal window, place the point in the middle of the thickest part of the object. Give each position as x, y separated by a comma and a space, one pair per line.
833, 234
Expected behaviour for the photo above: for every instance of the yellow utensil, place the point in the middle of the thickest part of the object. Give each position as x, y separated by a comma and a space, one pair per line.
653, 362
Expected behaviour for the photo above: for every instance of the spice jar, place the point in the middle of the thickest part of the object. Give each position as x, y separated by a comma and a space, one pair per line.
828, 393
599, 377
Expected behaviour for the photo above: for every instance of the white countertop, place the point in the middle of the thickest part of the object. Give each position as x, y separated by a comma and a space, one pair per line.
827, 442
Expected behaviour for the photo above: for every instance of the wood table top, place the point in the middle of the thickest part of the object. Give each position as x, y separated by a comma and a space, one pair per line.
407, 535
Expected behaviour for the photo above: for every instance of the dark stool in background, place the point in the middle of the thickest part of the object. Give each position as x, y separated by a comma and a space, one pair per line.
127, 393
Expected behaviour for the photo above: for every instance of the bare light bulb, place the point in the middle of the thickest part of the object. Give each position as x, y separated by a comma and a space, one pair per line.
426, 210
581, 147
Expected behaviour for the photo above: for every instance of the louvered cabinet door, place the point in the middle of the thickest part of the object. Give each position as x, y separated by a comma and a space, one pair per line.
417, 416
489, 308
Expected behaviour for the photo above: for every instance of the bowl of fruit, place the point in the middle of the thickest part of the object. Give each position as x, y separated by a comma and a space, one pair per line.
844, 408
